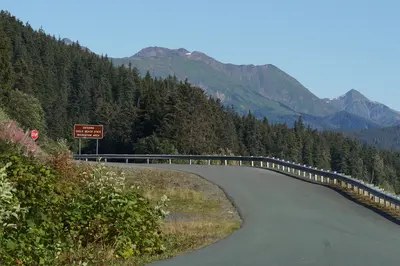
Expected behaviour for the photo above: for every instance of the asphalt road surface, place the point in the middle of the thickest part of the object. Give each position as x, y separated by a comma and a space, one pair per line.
289, 222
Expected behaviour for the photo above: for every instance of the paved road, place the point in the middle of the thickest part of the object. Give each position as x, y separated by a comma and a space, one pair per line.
288, 222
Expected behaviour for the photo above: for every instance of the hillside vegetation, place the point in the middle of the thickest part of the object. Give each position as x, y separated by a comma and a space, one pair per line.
387, 138
153, 115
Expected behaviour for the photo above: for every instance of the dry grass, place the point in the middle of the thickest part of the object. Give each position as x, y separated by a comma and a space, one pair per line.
200, 213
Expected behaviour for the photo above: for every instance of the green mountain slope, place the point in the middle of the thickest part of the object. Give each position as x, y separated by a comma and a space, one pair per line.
258, 88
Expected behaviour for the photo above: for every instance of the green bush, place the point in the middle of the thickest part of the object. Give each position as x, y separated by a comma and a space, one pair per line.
25, 109
105, 211
3, 115
37, 237
10, 208
47, 219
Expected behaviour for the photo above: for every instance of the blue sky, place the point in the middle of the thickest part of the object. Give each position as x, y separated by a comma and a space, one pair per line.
330, 46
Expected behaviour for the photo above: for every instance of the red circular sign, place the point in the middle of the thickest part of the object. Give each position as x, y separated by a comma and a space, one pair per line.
34, 134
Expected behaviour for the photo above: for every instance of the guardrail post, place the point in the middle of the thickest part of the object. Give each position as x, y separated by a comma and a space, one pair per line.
170, 161
190, 161
310, 175
267, 164
226, 162
273, 165
105, 159
252, 163
261, 163
86, 159
148, 160
209, 162
240, 163
126, 160
288, 169
322, 179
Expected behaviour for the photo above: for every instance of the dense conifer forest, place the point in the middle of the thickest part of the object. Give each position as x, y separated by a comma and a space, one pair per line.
50, 86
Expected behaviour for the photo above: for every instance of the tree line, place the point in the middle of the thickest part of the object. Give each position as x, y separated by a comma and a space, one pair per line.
49, 85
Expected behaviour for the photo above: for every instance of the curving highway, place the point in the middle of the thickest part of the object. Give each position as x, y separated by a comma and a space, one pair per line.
288, 222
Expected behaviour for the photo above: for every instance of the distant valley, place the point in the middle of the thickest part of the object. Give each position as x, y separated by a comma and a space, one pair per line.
266, 90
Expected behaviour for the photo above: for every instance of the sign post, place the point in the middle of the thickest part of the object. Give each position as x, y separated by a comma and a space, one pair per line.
34, 134
88, 132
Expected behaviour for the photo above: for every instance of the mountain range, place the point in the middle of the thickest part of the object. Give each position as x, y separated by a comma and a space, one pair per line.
266, 90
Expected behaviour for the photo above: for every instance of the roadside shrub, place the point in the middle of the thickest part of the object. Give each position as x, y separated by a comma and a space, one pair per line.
37, 237
59, 157
10, 209
47, 218
107, 212
3, 115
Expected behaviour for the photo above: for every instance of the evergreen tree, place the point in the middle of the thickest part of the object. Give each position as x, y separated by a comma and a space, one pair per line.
6, 71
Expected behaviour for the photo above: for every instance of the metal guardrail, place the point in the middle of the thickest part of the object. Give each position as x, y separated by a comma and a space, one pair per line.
300, 171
